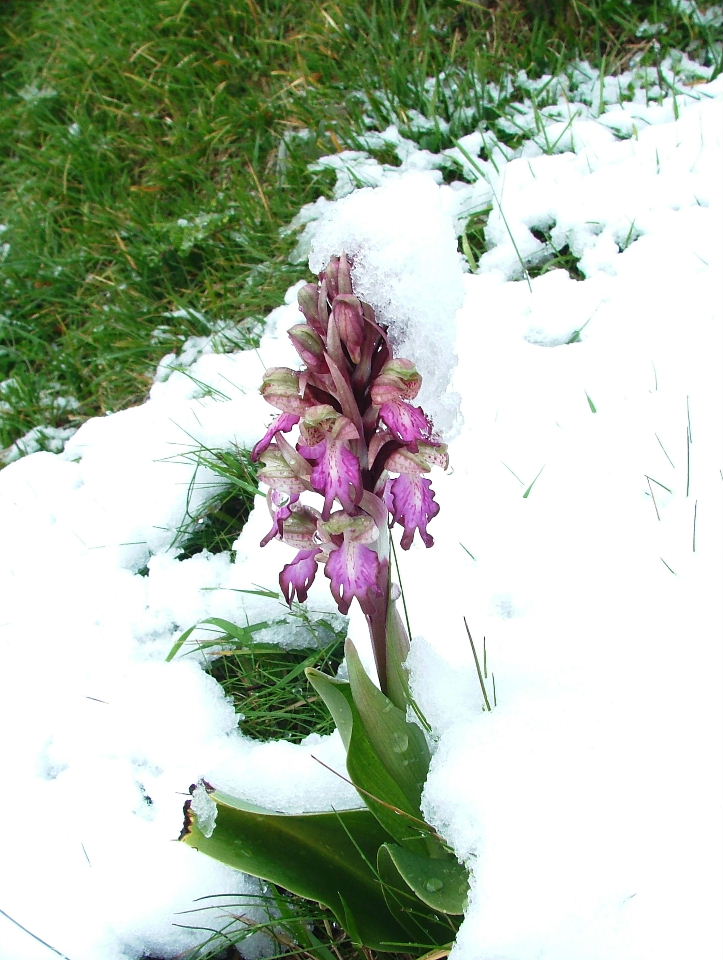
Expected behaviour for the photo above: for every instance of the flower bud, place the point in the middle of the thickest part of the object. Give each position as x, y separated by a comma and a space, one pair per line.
330, 276
344, 275
280, 388
337, 275
308, 345
323, 305
308, 298
399, 379
349, 318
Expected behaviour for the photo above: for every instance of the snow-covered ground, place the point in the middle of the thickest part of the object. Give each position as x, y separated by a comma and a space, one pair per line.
587, 803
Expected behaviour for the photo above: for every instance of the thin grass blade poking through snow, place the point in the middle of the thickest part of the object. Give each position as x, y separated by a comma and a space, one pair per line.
362, 446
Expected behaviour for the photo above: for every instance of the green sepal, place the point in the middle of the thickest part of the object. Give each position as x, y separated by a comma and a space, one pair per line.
328, 857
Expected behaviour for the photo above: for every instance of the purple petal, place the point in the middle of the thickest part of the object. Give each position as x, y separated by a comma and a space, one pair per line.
336, 474
410, 500
296, 577
280, 506
282, 424
406, 422
354, 572
277, 527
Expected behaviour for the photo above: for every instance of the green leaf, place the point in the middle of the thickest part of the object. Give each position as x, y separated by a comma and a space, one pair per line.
236, 632
424, 925
387, 757
228, 630
397, 651
179, 643
467, 250
400, 744
442, 884
528, 491
400, 900
328, 857
378, 789
336, 695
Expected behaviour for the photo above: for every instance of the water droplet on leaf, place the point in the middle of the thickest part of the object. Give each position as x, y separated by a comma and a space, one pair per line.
433, 884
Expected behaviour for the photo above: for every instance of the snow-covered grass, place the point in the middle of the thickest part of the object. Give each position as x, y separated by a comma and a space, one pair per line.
576, 369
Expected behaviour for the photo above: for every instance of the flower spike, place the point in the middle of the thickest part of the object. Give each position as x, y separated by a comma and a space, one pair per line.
362, 447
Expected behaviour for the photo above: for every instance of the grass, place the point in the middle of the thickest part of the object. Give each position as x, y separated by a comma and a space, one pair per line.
266, 682
225, 507
269, 688
151, 153
295, 928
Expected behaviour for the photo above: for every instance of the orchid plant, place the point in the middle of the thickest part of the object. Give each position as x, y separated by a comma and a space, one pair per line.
364, 447
362, 454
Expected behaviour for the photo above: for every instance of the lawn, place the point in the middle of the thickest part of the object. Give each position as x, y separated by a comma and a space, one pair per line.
152, 154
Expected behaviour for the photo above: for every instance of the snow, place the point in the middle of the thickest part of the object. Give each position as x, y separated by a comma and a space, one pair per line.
411, 276
580, 536
37, 438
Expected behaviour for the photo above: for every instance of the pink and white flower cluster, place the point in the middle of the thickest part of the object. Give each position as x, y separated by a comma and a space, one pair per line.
362, 446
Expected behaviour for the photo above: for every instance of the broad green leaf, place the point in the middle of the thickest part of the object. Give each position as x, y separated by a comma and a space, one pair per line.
336, 696
327, 857
400, 745
441, 884
400, 900
377, 786
425, 926
397, 650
